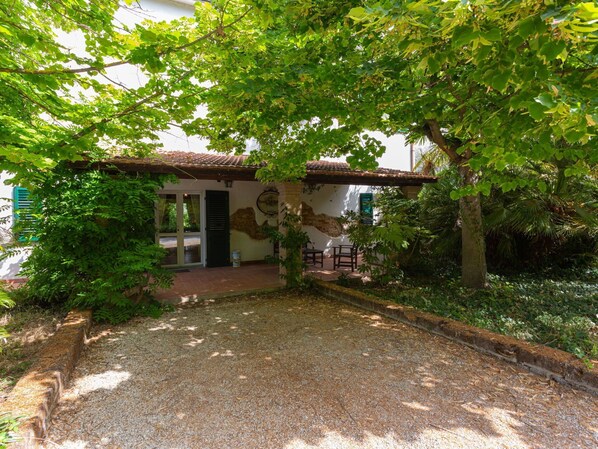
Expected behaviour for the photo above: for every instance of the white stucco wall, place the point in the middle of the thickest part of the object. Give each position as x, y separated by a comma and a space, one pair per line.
332, 200
241, 195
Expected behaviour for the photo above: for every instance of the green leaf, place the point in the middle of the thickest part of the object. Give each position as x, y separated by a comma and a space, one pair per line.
455, 195
485, 188
552, 49
433, 64
546, 99
573, 135
463, 35
536, 111
358, 14
500, 80
527, 27
492, 35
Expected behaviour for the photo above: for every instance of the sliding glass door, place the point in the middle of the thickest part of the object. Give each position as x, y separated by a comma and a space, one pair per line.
178, 217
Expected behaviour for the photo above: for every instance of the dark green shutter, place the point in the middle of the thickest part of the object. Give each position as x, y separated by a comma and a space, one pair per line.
23, 208
217, 229
366, 208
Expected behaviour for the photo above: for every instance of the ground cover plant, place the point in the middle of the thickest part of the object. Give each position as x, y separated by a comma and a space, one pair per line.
95, 244
557, 308
542, 241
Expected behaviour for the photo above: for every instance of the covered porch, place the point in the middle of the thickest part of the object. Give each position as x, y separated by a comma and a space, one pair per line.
198, 283
218, 213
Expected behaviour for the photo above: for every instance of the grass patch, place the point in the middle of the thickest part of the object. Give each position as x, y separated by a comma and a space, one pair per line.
28, 327
557, 309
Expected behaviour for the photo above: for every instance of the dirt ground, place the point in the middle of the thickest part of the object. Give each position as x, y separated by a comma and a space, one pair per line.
29, 329
287, 371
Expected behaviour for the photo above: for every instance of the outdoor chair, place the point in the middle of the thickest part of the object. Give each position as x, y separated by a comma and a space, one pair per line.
345, 256
313, 256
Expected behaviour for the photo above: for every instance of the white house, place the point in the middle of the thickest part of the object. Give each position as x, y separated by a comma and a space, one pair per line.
218, 207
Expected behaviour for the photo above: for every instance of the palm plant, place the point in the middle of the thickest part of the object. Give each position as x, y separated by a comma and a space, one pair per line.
525, 225
532, 224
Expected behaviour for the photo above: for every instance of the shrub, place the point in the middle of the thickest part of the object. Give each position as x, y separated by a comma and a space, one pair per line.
524, 226
292, 239
96, 244
555, 307
8, 429
392, 241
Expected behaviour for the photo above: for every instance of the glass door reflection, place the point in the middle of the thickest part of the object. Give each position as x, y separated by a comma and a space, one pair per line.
191, 229
178, 218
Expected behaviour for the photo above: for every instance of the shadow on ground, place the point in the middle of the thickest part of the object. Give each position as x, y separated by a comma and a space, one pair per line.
295, 371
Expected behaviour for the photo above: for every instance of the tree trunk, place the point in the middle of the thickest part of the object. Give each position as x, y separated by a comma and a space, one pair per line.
473, 247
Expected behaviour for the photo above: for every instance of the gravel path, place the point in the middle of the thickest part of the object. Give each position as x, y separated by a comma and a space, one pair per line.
288, 372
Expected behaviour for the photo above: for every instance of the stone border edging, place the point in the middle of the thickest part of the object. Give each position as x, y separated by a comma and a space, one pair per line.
35, 395
552, 363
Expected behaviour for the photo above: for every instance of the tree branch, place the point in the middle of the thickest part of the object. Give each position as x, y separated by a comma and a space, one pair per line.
126, 111
434, 133
99, 68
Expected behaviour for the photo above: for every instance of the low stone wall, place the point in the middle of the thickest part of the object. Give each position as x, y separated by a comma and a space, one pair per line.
34, 396
552, 363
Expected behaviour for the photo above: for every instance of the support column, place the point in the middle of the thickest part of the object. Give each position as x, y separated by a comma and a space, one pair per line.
289, 202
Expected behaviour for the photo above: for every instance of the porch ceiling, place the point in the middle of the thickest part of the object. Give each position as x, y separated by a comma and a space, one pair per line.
222, 167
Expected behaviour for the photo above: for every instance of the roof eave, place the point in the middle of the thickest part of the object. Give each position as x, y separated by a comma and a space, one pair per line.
235, 173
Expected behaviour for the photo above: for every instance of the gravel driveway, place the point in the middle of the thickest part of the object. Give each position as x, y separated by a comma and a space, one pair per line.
302, 372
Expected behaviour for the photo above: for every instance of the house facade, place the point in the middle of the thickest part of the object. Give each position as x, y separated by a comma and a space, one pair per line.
185, 212
218, 208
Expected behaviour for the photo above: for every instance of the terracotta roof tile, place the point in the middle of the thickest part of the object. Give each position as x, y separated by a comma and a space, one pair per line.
325, 170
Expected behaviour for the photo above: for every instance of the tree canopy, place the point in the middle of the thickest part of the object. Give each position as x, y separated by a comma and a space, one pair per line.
306, 80
495, 84
58, 97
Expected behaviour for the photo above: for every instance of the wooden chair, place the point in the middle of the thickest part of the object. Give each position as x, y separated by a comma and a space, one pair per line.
344, 256
312, 255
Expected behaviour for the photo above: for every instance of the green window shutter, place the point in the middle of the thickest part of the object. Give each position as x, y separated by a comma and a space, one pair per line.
366, 208
23, 209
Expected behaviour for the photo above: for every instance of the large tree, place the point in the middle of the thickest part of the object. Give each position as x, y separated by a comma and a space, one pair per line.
494, 84
60, 95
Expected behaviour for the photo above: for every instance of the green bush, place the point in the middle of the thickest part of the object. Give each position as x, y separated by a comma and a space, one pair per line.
524, 227
8, 428
393, 241
96, 245
292, 239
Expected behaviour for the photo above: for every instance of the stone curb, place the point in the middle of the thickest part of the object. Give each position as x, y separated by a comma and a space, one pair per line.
35, 395
552, 363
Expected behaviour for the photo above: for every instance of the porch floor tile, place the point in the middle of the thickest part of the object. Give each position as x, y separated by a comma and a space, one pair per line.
197, 283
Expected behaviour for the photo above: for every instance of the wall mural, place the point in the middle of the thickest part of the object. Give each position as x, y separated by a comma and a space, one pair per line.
244, 220
324, 223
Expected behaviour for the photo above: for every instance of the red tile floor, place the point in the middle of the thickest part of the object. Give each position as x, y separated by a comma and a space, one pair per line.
199, 283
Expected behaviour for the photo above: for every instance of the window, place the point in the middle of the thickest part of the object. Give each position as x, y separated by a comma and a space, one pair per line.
23, 218
366, 208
